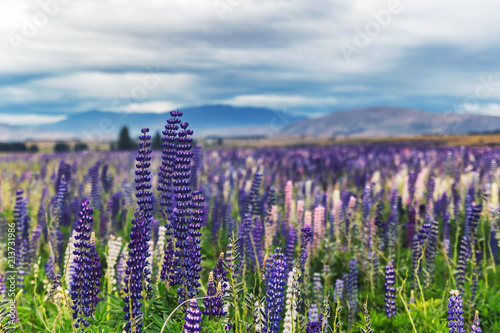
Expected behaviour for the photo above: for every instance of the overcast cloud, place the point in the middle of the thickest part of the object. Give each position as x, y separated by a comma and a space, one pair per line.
307, 57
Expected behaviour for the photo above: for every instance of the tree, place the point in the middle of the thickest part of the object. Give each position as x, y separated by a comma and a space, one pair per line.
33, 148
124, 141
156, 144
80, 146
61, 147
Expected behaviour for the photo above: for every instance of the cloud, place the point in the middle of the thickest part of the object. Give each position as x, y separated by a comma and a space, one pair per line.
279, 54
29, 119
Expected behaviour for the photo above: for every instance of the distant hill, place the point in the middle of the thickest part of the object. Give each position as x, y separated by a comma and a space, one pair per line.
221, 120
385, 121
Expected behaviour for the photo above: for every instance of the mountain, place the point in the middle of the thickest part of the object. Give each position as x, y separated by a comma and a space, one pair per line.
221, 120
385, 121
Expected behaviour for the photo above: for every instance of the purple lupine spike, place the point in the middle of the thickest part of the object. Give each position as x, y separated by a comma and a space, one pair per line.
253, 204
213, 303
275, 293
106, 179
462, 263
430, 251
245, 234
116, 200
390, 291
315, 326
455, 313
64, 170
476, 274
220, 273
192, 318
352, 290
476, 327
306, 238
196, 166
290, 246
42, 219
95, 189
86, 271
412, 222
136, 280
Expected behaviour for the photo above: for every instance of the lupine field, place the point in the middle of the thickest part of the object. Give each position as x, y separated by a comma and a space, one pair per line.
354, 238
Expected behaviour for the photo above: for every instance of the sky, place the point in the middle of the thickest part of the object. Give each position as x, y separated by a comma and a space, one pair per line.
307, 57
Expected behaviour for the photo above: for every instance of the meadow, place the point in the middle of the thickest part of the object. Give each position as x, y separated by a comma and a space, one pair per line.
396, 236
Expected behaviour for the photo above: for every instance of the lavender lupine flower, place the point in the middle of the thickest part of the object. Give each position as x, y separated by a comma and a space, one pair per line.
446, 234
339, 291
95, 190
196, 166
313, 313
390, 291
317, 288
476, 273
106, 179
254, 207
430, 251
476, 327
352, 290
86, 269
192, 318
275, 293
247, 246
462, 263
412, 222
42, 219
455, 313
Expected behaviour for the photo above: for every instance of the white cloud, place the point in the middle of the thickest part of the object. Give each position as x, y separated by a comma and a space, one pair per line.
265, 53
29, 119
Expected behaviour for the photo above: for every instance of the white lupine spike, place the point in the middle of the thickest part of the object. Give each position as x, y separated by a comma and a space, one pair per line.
68, 259
160, 249
291, 302
114, 248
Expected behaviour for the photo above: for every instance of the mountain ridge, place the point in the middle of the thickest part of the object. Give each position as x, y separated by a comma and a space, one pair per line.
391, 121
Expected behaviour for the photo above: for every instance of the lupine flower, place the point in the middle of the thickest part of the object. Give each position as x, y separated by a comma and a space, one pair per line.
306, 239
455, 313
317, 288
136, 281
430, 251
462, 263
106, 179
476, 273
313, 313
87, 270
95, 190
352, 290
213, 303
319, 216
339, 291
192, 318
390, 291
315, 326
476, 327
292, 295
114, 249
274, 294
